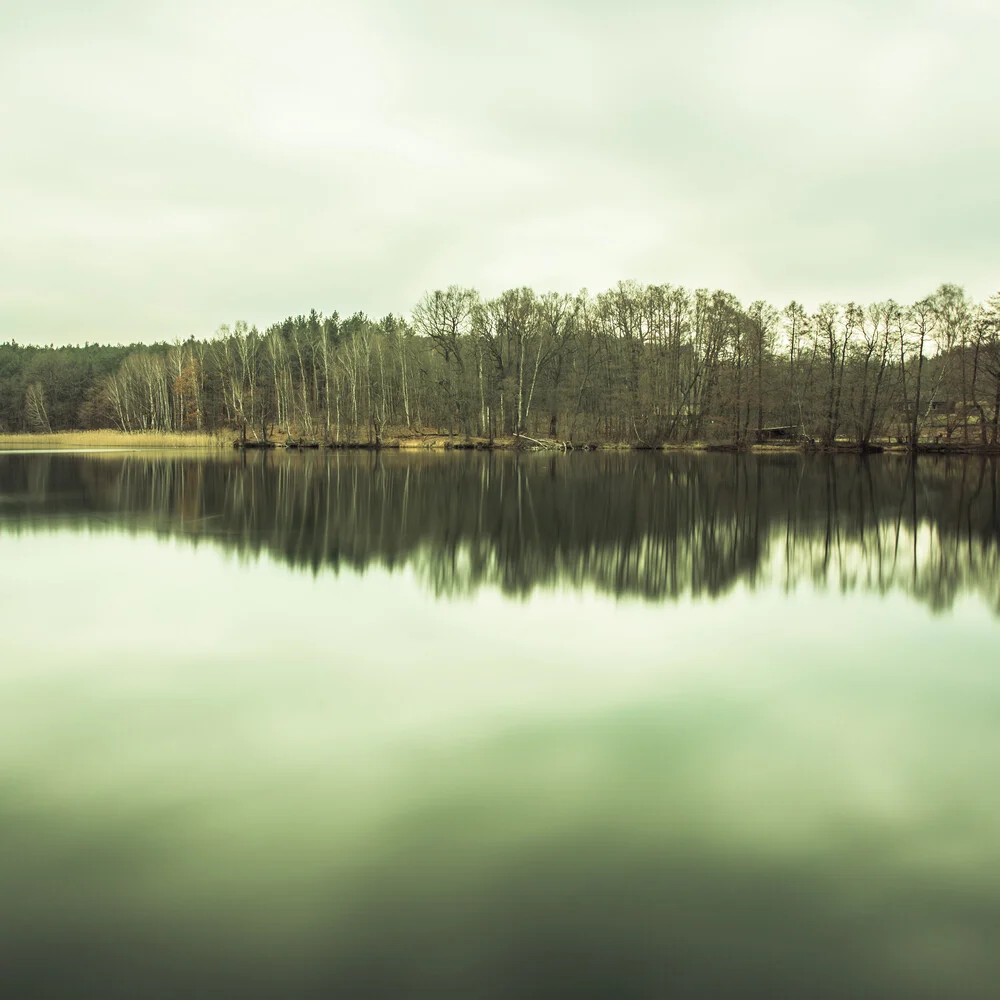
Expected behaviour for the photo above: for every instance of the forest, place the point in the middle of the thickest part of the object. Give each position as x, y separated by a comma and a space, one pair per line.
636, 365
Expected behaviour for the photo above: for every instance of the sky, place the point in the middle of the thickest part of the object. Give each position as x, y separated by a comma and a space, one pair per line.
167, 168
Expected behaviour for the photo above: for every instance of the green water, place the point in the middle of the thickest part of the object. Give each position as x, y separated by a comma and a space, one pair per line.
480, 726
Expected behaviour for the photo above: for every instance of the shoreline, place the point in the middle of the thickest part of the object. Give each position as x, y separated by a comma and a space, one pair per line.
193, 440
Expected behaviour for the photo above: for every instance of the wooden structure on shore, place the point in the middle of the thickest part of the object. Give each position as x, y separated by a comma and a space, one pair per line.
775, 435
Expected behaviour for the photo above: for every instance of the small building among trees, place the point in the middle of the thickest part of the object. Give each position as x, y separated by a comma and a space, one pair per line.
767, 435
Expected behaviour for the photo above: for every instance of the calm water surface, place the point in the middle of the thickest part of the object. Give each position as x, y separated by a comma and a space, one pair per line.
479, 726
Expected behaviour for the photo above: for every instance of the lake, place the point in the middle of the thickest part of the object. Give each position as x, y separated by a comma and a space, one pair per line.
485, 725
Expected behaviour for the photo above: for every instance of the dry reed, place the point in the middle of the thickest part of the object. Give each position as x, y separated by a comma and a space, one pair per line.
117, 439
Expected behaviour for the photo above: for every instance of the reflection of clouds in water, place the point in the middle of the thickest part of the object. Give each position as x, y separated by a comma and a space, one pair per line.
231, 777
633, 848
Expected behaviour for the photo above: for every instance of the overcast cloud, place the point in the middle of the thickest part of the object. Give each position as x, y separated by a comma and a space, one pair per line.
166, 168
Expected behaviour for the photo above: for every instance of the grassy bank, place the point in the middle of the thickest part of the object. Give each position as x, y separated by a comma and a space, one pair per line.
435, 442
116, 439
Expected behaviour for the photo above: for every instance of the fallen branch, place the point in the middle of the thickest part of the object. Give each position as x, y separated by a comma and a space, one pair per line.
552, 445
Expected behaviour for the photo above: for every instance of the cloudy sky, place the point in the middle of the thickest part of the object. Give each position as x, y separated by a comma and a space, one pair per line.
166, 168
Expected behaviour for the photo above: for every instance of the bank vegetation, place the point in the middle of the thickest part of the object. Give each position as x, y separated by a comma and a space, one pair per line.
635, 366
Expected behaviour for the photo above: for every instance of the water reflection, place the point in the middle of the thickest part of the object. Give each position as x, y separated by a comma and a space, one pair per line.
645, 525
222, 778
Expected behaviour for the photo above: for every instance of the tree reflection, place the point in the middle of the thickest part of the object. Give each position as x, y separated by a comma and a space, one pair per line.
651, 526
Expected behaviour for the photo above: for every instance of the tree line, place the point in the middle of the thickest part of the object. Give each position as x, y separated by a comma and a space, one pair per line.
637, 364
